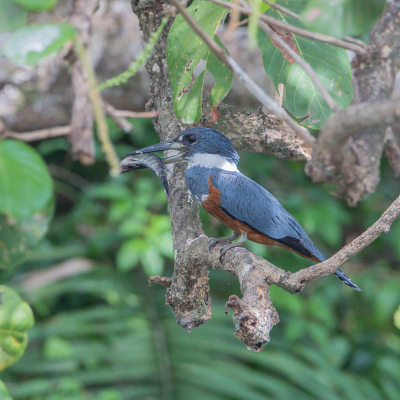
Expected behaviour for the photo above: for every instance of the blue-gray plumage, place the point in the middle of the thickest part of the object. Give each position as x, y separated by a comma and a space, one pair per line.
263, 213
236, 200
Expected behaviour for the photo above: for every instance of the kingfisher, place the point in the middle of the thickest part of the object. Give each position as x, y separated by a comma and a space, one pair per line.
238, 202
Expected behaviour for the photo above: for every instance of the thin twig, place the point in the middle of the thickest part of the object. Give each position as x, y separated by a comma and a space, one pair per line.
355, 41
381, 226
113, 113
39, 134
136, 114
294, 29
304, 64
241, 75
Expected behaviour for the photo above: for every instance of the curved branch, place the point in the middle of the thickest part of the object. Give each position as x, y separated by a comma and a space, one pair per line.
254, 314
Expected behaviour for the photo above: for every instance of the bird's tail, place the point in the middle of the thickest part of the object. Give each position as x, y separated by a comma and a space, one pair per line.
346, 280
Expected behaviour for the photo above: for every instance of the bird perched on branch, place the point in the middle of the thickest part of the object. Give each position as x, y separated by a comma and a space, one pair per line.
234, 199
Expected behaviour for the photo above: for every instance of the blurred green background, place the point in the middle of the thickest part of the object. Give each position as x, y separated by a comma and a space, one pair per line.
102, 333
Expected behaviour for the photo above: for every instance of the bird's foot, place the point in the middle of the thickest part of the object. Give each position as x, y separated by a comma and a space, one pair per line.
229, 239
239, 243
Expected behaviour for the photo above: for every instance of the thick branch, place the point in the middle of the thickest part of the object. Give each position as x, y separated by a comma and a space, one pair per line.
260, 133
338, 129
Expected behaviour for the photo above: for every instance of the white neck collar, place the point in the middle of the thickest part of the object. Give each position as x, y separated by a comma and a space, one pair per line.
212, 161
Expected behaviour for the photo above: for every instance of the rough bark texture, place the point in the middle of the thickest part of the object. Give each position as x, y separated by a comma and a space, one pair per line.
355, 168
188, 294
260, 133
81, 136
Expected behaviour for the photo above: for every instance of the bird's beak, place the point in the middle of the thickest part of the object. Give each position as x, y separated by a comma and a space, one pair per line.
163, 146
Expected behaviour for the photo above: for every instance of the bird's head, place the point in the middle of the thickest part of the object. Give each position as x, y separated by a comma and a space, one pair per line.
201, 146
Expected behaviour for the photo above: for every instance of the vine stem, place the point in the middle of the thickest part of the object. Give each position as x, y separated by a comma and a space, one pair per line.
96, 100
141, 59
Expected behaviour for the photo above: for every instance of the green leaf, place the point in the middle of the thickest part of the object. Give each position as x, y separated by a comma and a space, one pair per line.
184, 52
331, 63
128, 256
28, 45
4, 394
26, 201
25, 183
344, 17
258, 7
16, 318
37, 5
12, 16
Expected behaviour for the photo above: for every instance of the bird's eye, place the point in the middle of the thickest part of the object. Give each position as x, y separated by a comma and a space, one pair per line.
192, 139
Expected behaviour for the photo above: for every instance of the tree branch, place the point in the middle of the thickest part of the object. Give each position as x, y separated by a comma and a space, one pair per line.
339, 128
260, 133
254, 314
355, 169
40, 134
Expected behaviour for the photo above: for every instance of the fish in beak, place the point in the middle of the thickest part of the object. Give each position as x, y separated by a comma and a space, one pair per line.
164, 146
151, 161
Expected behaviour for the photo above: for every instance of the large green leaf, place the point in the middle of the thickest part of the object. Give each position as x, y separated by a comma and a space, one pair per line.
331, 64
4, 394
25, 183
342, 17
26, 200
28, 45
37, 5
16, 318
185, 50
12, 16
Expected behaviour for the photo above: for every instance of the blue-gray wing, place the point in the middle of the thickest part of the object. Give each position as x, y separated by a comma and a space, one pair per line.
248, 202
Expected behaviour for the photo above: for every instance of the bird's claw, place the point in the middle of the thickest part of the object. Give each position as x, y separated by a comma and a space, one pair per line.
213, 243
224, 250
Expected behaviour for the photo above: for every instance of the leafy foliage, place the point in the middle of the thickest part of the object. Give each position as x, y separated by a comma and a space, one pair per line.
303, 99
343, 17
29, 44
16, 319
184, 52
